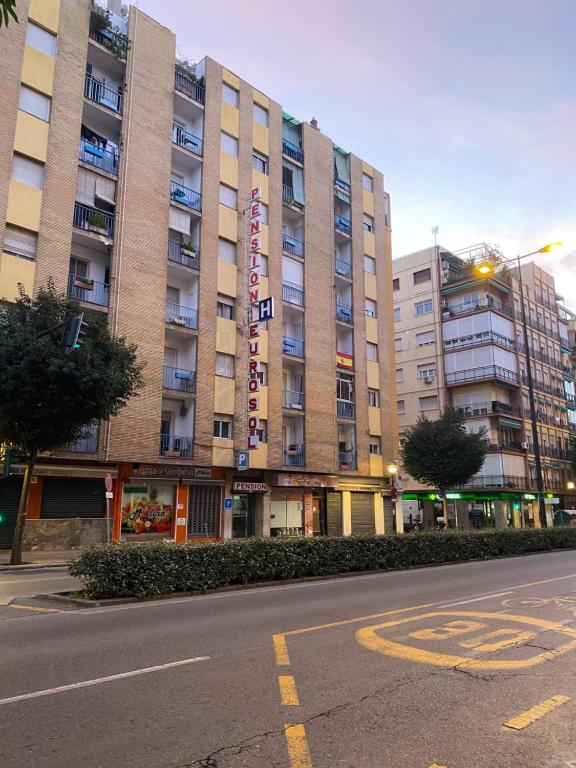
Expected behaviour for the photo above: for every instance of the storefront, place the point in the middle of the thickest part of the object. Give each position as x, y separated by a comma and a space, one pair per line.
250, 505
480, 509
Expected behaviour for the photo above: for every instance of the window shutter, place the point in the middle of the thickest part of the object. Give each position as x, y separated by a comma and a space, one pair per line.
34, 103
20, 242
85, 187
28, 172
106, 190
180, 221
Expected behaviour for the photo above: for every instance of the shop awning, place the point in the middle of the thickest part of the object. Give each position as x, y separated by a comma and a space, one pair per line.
509, 423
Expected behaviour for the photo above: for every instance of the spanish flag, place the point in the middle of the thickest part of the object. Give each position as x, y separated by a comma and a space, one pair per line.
344, 361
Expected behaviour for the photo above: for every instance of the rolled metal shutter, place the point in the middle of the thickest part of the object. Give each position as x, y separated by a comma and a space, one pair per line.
10, 488
362, 509
389, 515
73, 497
204, 511
334, 514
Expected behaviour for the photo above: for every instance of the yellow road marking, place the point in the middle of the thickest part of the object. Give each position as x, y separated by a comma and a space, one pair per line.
281, 651
524, 719
353, 621
288, 692
435, 765
297, 746
33, 608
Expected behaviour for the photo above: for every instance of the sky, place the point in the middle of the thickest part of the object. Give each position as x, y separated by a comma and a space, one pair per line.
468, 107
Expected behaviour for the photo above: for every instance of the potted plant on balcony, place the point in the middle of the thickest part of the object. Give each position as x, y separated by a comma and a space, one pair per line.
83, 282
97, 222
187, 248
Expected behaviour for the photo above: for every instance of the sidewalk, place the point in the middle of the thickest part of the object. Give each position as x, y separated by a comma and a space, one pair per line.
50, 559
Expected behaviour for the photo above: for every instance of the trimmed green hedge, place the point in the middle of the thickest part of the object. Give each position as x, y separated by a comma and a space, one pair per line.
142, 570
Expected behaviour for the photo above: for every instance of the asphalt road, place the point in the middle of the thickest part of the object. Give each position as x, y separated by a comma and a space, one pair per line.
460, 666
22, 583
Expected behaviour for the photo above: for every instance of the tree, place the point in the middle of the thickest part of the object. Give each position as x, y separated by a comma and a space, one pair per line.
48, 393
7, 10
442, 454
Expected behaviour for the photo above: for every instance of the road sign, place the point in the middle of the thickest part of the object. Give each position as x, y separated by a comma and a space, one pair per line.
242, 461
228, 503
108, 482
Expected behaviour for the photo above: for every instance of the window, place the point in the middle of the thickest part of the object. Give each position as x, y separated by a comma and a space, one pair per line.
229, 144
228, 196
262, 432
423, 307
427, 371
400, 407
260, 162
78, 267
230, 95
262, 374
263, 265
422, 276
20, 242
41, 40
224, 365
368, 182
370, 265
34, 103
368, 223
345, 387
373, 398
28, 171
372, 352
223, 427
428, 403
263, 213
260, 115
396, 314
399, 374
225, 307
227, 251
396, 284
374, 447
370, 307
397, 345
426, 337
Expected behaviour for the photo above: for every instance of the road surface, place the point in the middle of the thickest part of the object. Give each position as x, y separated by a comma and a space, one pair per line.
465, 666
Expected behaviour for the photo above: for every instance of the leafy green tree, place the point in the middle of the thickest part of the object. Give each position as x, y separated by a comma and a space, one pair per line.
442, 454
48, 393
7, 10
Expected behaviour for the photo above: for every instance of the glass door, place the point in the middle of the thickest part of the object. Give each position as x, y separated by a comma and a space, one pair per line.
243, 516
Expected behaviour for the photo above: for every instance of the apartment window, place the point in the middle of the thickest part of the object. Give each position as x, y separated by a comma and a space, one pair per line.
229, 144
260, 115
396, 284
223, 427
370, 307
262, 432
368, 223
224, 365
225, 307
370, 265
230, 95
427, 371
428, 403
228, 196
262, 374
20, 242
374, 446
260, 162
263, 265
423, 307
35, 103
422, 276
399, 374
345, 387
263, 213
373, 398
396, 314
41, 40
227, 251
426, 337
368, 182
28, 171
372, 352
401, 408
397, 345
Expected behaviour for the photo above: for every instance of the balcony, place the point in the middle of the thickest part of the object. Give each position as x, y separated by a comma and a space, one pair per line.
504, 445
343, 268
484, 337
341, 185
182, 317
99, 158
99, 93
175, 447
482, 305
293, 400
93, 219
294, 347
179, 379
347, 459
185, 196
342, 225
344, 313
116, 42
90, 291
189, 87
541, 386
186, 140
498, 481
86, 444
538, 326
292, 246
293, 293
294, 456
182, 254
345, 409
292, 151
484, 372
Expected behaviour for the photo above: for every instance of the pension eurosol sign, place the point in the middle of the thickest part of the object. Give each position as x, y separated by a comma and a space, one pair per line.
248, 487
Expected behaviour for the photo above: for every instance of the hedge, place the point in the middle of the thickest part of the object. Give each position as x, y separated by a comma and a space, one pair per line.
147, 569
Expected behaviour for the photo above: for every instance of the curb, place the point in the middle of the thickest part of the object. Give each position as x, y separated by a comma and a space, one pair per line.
33, 566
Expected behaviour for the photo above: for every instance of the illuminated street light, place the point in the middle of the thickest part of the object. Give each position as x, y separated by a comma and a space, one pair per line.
570, 485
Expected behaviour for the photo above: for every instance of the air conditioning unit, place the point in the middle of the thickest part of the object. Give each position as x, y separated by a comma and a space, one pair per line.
428, 379
525, 446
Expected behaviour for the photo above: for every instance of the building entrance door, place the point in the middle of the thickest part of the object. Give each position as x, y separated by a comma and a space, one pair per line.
243, 516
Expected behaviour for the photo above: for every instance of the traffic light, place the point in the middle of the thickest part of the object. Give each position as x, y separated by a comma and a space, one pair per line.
74, 332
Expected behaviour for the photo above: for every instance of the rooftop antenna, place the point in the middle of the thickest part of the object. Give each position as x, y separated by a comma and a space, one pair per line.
435, 233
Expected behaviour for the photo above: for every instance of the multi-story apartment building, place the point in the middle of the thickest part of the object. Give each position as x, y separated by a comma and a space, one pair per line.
459, 341
137, 183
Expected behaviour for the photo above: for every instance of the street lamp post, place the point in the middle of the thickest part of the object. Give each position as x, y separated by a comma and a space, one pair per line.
396, 508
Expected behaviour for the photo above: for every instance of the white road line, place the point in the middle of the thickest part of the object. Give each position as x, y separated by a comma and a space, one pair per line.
475, 599
9, 582
99, 680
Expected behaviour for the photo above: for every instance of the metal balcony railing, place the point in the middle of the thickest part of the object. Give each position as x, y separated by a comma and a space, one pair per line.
187, 86
182, 138
498, 481
184, 317
103, 94
294, 347
503, 445
116, 42
538, 326
482, 305
180, 379
91, 291
288, 196
180, 254
342, 267
344, 312
291, 399
185, 196
293, 293
345, 409
342, 224
484, 337
292, 151
99, 158
343, 186
541, 386
292, 246
493, 406
176, 446
347, 459
483, 372
294, 456
93, 219
88, 443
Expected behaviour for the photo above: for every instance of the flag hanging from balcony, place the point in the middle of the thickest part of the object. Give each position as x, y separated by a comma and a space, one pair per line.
344, 361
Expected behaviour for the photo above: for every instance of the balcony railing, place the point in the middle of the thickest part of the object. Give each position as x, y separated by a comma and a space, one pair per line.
175, 447
493, 406
498, 481
93, 219
537, 354
180, 379
86, 444
345, 409
484, 337
116, 42
103, 94
541, 386
294, 456
292, 246
484, 372
184, 317
347, 459
504, 445
185, 196
342, 224
342, 267
99, 158
294, 347
343, 186
91, 291
344, 312
180, 254
292, 151
538, 326
187, 86
188, 141
293, 294
476, 306
291, 399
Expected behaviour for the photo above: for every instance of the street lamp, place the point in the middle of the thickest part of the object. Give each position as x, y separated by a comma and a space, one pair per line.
392, 470
487, 269
570, 485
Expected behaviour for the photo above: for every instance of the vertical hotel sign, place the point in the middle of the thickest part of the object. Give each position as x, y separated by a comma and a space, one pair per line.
259, 310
